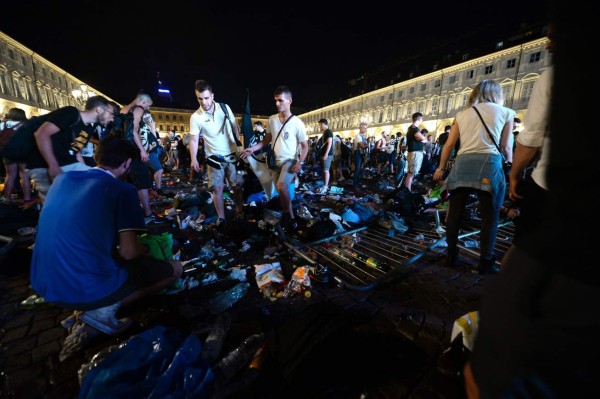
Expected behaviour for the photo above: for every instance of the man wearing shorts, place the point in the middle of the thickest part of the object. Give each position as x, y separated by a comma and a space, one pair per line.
220, 147
91, 262
414, 143
286, 133
326, 157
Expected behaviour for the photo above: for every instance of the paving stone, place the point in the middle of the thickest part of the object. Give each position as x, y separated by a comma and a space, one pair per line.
52, 333
18, 321
24, 345
14, 334
42, 352
43, 325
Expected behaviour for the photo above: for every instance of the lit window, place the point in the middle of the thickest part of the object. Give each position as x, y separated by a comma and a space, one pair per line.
535, 57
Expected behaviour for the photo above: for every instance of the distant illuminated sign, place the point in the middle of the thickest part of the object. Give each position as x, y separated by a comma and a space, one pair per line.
166, 91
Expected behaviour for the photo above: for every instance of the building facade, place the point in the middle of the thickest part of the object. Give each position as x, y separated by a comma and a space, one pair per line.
30, 82
437, 95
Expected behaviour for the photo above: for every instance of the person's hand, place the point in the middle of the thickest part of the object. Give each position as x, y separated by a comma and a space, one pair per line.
325, 157
195, 165
439, 173
513, 190
245, 154
144, 156
296, 168
54, 171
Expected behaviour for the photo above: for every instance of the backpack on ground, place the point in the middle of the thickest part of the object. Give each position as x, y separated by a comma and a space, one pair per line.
17, 142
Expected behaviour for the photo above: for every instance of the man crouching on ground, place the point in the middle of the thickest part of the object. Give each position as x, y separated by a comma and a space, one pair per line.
86, 255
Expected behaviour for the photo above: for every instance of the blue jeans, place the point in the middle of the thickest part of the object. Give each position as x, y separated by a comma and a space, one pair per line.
357, 164
400, 166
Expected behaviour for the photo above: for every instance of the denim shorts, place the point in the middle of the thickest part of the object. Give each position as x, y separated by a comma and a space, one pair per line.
154, 162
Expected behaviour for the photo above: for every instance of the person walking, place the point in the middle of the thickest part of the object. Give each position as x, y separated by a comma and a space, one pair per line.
220, 146
414, 144
478, 167
140, 174
291, 133
326, 154
13, 169
359, 146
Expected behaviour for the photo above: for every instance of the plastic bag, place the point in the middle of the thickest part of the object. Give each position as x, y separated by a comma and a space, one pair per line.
159, 362
161, 245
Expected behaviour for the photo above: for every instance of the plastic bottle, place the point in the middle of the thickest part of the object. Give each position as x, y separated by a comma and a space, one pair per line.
236, 360
214, 342
228, 298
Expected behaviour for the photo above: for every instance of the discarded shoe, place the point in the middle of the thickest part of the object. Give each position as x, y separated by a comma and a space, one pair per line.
105, 320
80, 336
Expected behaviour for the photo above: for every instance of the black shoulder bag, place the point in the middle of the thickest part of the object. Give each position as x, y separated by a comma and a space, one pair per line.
270, 152
505, 164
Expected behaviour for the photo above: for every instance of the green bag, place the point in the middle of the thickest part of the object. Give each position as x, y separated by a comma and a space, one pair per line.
161, 245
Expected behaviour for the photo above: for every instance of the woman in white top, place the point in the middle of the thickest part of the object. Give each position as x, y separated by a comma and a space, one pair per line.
478, 168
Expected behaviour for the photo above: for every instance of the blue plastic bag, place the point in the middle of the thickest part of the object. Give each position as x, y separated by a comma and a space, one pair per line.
158, 362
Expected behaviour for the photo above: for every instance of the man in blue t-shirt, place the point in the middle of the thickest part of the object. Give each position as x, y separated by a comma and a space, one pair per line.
91, 261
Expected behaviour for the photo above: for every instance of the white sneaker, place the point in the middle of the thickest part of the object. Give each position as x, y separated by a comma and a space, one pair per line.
323, 190
105, 320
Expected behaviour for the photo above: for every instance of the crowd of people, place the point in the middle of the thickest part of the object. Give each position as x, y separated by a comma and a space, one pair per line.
524, 328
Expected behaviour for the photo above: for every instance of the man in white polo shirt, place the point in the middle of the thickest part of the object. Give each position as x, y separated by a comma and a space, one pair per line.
286, 133
220, 135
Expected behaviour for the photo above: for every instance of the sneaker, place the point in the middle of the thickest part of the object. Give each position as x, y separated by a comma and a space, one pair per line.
105, 320
323, 190
79, 337
220, 222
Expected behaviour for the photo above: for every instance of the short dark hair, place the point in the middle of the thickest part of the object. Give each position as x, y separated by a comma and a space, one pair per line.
517, 120
258, 123
96, 101
323, 121
447, 127
283, 90
113, 151
16, 115
416, 115
202, 85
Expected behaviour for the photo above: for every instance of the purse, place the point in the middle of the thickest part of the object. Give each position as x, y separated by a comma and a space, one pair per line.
270, 157
505, 164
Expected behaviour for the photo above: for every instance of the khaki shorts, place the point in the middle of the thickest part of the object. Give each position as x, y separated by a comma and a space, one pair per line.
282, 173
216, 177
414, 160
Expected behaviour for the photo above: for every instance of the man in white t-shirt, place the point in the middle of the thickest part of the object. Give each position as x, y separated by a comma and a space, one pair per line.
286, 132
220, 145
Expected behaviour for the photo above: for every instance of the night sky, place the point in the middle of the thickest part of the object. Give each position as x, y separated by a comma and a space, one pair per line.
313, 47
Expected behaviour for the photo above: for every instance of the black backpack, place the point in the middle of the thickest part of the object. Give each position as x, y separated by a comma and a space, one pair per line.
18, 142
122, 126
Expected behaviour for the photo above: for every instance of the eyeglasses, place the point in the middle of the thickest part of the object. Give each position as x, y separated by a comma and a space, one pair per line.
110, 111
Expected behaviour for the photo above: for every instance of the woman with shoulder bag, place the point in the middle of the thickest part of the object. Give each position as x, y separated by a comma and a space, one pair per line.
478, 167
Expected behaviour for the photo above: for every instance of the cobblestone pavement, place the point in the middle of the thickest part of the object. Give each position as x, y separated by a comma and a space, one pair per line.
389, 342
